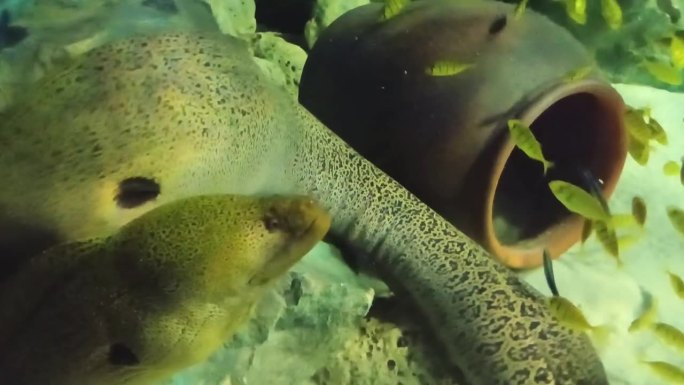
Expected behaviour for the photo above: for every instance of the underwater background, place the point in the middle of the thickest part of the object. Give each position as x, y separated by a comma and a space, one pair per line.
326, 324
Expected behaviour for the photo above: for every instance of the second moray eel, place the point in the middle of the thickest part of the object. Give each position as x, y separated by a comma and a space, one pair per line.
160, 295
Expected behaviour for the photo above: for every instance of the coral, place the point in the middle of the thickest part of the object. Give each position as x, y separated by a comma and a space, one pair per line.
382, 353
324, 13
234, 17
281, 61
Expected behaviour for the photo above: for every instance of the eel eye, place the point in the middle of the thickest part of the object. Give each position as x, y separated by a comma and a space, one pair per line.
271, 223
497, 25
135, 191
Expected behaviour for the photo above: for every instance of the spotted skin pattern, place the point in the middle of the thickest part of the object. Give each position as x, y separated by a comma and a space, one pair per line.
165, 291
195, 114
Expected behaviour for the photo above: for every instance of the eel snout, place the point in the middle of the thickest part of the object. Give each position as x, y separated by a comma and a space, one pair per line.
300, 216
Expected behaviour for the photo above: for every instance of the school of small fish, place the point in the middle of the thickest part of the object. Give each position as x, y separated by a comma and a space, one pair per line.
644, 130
587, 201
611, 11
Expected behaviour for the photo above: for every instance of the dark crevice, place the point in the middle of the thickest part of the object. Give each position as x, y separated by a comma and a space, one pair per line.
284, 16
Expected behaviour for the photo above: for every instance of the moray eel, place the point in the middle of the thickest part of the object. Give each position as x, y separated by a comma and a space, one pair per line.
161, 294
145, 121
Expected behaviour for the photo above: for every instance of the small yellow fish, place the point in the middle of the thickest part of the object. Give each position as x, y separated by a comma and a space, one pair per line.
612, 13
657, 131
636, 121
572, 317
639, 210
524, 139
646, 318
587, 229
676, 216
520, 9
672, 168
638, 150
605, 233
393, 8
578, 74
578, 201
677, 284
677, 51
625, 242
667, 371
447, 68
568, 314
664, 72
647, 113
623, 220
577, 10
669, 335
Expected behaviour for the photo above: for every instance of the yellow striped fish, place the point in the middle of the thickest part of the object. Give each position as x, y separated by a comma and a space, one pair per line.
664, 72
677, 284
612, 13
639, 210
447, 68
577, 10
646, 318
676, 216
667, 371
393, 8
605, 233
524, 139
578, 201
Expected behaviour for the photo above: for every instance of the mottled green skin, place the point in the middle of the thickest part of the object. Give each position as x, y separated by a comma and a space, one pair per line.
171, 286
196, 114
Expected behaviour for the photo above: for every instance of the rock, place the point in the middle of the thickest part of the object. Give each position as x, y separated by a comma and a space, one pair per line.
295, 331
234, 17
281, 61
389, 348
324, 13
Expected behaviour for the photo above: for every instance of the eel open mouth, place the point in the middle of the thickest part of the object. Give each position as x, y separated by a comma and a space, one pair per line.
578, 130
